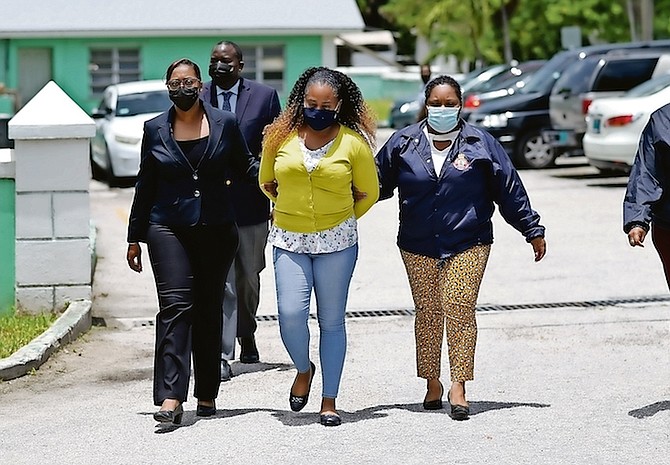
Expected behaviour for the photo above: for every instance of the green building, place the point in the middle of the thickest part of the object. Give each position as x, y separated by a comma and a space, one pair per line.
85, 45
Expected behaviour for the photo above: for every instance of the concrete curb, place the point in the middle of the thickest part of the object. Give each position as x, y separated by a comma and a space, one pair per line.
74, 321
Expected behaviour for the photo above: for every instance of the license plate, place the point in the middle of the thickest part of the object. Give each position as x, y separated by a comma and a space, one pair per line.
596, 126
563, 137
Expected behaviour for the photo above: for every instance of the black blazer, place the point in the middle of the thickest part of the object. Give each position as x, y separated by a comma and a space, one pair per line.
168, 193
257, 106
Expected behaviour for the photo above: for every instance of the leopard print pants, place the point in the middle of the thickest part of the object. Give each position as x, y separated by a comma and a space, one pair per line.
446, 289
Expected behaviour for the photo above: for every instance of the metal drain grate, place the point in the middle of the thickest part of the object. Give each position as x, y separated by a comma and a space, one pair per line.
140, 322
496, 308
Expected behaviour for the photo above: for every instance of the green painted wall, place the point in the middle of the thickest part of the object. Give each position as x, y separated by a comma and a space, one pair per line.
70, 58
7, 237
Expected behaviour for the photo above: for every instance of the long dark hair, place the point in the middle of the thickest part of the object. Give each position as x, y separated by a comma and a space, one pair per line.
354, 112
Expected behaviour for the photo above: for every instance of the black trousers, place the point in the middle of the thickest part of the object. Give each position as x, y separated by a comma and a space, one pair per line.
190, 265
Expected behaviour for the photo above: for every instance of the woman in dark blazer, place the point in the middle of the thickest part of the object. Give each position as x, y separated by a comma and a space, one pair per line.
182, 211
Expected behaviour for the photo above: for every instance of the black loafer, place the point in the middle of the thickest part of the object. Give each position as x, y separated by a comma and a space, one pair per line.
330, 419
249, 352
434, 404
170, 416
459, 412
205, 410
297, 403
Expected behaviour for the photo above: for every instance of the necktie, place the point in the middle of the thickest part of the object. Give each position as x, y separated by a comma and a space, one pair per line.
226, 101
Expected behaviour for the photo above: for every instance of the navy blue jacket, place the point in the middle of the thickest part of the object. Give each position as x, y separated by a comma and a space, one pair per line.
167, 192
443, 215
646, 200
257, 106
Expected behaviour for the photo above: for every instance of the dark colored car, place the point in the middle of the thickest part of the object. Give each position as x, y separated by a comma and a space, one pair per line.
405, 111
517, 121
503, 84
596, 77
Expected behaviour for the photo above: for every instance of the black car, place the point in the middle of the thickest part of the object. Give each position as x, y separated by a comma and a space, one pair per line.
517, 121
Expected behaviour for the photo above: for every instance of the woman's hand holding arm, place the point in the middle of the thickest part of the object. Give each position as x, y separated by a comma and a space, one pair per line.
358, 195
266, 175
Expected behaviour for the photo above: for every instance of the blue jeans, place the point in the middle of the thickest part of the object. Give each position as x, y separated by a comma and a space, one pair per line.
329, 274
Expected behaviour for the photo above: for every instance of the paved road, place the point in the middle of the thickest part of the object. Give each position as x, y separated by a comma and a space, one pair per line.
572, 384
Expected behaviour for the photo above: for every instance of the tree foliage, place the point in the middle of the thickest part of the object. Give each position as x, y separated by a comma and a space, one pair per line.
474, 30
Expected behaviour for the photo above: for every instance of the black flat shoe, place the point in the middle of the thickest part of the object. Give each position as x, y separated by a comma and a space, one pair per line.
434, 404
249, 352
458, 412
205, 410
297, 403
170, 416
330, 419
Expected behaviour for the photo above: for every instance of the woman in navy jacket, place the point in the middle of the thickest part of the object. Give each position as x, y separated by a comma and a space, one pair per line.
182, 210
449, 175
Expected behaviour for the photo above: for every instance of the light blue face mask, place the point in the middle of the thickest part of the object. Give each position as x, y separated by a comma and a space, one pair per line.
443, 119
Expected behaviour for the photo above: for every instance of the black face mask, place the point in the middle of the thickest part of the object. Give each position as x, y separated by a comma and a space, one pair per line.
184, 98
220, 72
319, 119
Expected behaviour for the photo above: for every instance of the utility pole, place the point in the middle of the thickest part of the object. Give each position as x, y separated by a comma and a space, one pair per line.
647, 19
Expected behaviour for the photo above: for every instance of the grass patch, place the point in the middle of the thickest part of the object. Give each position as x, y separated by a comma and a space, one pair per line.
381, 107
18, 329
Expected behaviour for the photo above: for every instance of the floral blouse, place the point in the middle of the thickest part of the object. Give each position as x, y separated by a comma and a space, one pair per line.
340, 237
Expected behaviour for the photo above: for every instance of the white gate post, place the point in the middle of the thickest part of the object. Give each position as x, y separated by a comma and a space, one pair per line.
53, 251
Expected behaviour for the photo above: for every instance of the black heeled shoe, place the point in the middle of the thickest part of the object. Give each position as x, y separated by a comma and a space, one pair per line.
297, 403
330, 419
205, 410
434, 404
458, 412
170, 416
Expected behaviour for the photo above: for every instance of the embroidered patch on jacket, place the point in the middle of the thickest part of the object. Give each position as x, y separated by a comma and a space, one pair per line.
461, 163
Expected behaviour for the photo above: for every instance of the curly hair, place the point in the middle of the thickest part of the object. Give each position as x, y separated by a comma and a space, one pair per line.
354, 112
440, 81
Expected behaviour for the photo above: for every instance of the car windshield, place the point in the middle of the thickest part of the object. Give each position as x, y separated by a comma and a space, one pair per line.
144, 102
484, 75
576, 78
650, 87
545, 77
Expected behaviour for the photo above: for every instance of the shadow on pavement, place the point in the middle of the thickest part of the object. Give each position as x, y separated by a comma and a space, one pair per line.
650, 410
245, 368
288, 418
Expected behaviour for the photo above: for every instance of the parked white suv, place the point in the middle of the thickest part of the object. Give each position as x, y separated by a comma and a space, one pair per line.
120, 117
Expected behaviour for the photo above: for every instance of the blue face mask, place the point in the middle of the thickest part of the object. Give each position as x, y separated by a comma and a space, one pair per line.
318, 119
443, 119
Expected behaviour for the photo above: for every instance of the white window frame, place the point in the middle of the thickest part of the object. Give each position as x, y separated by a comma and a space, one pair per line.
256, 64
101, 78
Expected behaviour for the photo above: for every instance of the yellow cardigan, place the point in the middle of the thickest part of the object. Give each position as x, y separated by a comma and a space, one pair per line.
316, 201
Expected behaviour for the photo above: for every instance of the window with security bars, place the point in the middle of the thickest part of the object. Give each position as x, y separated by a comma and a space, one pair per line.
265, 63
112, 66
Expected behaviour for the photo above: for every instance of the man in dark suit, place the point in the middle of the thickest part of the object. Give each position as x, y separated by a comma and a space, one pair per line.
255, 105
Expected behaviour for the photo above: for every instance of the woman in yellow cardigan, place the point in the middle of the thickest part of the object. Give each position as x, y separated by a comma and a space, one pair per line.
316, 154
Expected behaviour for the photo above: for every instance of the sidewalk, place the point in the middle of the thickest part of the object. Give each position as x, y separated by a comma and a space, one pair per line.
552, 387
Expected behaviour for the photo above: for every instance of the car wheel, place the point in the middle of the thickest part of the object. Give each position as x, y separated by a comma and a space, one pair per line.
112, 180
534, 152
97, 172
